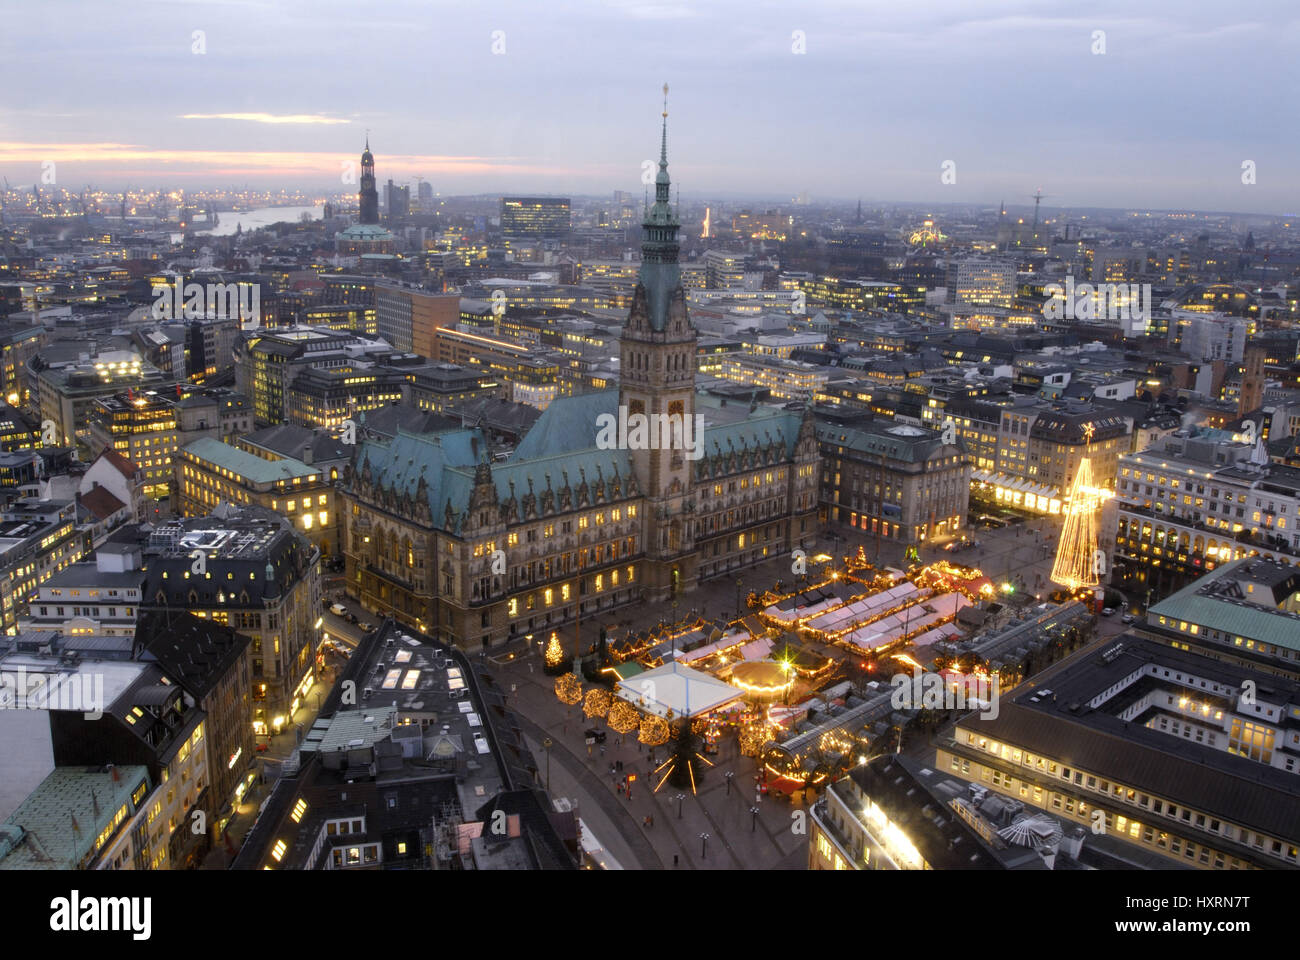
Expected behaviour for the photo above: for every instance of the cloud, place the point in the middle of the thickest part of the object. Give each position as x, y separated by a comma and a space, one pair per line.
110, 156
265, 117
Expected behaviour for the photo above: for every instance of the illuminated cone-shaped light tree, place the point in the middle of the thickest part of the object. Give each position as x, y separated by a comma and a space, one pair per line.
597, 702
569, 688
1076, 558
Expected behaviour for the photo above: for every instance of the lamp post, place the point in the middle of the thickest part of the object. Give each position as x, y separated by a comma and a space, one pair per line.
740, 584
546, 745
704, 845
679, 798
753, 823
729, 775
577, 631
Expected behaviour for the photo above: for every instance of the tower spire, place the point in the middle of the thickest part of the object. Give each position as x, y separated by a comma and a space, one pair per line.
660, 274
663, 146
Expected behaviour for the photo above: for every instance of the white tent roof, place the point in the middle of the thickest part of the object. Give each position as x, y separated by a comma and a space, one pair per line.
684, 691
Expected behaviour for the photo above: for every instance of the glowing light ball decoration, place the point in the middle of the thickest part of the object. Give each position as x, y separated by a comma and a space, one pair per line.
623, 717
568, 688
654, 731
597, 702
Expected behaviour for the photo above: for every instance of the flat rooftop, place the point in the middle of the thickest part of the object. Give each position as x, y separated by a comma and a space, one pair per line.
1054, 716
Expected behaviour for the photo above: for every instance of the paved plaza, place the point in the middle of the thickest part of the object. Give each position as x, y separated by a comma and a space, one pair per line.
737, 839
1022, 553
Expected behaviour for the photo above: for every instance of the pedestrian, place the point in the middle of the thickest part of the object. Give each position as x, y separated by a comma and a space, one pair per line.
602, 749
674, 859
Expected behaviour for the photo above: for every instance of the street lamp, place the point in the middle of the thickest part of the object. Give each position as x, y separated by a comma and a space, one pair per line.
729, 775
740, 584
546, 745
679, 798
753, 823
704, 845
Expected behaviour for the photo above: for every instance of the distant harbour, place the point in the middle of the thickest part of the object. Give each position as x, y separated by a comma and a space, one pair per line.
256, 219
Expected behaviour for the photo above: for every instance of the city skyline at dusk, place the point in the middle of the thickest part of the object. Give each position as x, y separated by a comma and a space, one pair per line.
1015, 96
453, 442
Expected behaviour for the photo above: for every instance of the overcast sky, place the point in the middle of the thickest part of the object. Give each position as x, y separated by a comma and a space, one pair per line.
1010, 91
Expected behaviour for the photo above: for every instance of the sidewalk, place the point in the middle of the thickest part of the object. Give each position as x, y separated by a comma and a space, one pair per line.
266, 764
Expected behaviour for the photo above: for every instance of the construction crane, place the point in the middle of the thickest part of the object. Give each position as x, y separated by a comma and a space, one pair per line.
1038, 196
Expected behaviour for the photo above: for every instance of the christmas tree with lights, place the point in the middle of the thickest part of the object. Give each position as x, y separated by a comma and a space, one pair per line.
553, 655
1076, 564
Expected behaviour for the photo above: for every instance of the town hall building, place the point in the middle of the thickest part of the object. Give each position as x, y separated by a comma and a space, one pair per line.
573, 525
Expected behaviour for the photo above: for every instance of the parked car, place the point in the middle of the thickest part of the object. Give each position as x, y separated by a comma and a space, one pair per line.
338, 609
1109, 611
1129, 618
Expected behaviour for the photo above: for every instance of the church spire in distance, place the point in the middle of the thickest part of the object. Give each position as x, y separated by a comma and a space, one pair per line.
368, 194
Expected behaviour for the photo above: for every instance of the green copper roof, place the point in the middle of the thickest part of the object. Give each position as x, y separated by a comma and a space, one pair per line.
1207, 605
246, 466
660, 274
567, 423
67, 812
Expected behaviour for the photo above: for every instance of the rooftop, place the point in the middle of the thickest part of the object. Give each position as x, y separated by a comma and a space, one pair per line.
1243, 599
57, 826
248, 467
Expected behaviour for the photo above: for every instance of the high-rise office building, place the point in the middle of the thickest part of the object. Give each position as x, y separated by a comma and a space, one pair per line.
409, 317
398, 201
982, 281
546, 217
